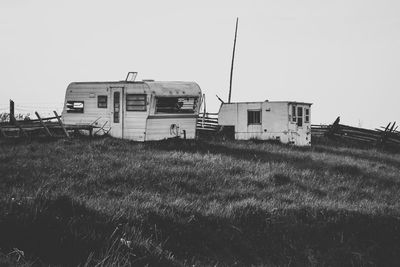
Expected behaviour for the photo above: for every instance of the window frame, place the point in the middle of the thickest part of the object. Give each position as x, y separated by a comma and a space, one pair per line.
300, 120
294, 114
102, 102
194, 110
75, 110
116, 106
307, 115
249, 111
136, 110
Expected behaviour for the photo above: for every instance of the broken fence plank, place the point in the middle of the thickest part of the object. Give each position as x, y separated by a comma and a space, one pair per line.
43, 125
61, 124
101, 128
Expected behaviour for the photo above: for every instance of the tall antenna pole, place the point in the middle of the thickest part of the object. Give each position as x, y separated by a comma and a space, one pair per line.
233, 59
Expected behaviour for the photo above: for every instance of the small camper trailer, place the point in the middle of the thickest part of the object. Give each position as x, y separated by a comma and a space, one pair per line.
288, 122
136, 110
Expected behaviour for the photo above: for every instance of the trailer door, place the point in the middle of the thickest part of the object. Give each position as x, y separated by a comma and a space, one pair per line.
117, 112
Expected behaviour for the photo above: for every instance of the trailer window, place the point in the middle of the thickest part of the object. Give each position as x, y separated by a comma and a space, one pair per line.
253, 117
75, 106
135, 102
102, 101
176, 104
307, 115
294, 119
299, 116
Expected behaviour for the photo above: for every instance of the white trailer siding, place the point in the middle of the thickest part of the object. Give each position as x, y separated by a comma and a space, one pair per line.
135, 121
244, 130
161, 127
266, 121
85, 93
275, 121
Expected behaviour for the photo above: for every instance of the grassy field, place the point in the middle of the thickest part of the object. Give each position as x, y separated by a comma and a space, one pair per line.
183, 203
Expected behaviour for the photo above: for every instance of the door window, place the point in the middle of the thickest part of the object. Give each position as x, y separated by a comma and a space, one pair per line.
307, 115
116, 107
294, 119
299, 116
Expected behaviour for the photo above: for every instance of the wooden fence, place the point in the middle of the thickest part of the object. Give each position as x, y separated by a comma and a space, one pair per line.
207, 122
383, 136
50, 127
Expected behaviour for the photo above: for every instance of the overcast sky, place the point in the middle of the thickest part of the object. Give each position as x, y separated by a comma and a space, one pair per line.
341, 55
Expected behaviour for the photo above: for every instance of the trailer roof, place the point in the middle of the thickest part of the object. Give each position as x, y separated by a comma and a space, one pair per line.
174, 88
257, 102
166, 88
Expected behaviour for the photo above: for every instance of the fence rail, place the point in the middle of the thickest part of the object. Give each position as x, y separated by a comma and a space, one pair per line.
383, 136
50, 127
207, 122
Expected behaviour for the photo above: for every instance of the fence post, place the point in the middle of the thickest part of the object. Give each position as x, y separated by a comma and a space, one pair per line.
12, 114
204, 112
14, 121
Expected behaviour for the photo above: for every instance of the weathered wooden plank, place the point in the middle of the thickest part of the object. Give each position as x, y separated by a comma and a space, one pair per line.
350, 132
12, 110
61, 124
356, 138
206, 123
101, 128
334, 128
3, 134
346, 127
43, 125
14, 121
207, 129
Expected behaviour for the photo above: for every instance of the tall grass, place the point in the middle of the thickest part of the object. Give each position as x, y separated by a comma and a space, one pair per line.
108, 201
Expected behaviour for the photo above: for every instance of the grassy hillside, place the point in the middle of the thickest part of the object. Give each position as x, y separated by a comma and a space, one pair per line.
174, 203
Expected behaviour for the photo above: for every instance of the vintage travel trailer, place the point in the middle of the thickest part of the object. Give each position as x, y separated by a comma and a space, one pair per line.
136, 110
288, 122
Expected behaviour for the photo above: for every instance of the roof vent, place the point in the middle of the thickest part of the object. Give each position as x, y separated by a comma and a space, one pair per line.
131, 76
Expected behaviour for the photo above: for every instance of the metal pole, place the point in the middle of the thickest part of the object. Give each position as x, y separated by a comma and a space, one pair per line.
233, 59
